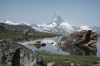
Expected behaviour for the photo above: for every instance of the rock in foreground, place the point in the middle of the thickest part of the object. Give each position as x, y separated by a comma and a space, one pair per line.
13, 54
80, 43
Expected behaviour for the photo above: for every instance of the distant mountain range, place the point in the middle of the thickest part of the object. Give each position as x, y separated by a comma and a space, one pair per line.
15, 25
56, 25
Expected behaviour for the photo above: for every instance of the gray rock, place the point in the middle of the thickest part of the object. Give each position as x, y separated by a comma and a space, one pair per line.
14, 54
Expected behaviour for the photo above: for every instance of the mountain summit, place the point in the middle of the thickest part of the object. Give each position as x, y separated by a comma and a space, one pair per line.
55, 25
57, 18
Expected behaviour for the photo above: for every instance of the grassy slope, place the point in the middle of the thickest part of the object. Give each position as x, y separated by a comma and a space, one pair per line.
62, 60
16, 35
6, 34
99, 35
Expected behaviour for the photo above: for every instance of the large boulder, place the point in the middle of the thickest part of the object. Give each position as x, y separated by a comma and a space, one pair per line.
14, 54
80, 43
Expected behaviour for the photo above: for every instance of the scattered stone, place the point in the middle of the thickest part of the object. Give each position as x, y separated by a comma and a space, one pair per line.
39, 44
51, 64
72, 64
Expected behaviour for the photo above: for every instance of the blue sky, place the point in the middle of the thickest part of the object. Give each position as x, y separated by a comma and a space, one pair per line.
78, 12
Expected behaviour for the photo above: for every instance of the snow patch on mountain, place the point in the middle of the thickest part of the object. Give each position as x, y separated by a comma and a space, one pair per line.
85, 28
66, 25
15, 23
12, 22
48, 25
25, 23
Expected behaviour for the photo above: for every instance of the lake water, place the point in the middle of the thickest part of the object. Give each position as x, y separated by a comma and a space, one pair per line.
54, 48
98, 47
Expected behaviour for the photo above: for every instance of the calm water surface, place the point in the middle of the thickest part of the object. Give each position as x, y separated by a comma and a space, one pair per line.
54, 48
98, 47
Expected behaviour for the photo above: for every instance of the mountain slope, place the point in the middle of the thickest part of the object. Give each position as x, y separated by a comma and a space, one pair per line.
14, 23
17, 26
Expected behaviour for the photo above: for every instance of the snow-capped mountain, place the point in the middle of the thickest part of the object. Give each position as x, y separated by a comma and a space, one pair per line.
93, 28
96, 29
61, 26
84, 27
20, 26
56, 25
14, 23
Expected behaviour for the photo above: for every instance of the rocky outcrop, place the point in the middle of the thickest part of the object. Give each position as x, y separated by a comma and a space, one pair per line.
14, 54
39, 44
81, 43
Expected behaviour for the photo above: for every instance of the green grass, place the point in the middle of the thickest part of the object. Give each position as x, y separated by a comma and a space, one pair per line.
49, 57
62, 60
98, 35
9, 35
19, 36
42, 34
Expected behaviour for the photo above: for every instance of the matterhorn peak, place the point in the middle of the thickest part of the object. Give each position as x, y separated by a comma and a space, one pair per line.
56, 14
57, 18
56, 25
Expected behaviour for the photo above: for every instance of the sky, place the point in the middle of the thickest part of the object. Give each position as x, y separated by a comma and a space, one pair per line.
76, 12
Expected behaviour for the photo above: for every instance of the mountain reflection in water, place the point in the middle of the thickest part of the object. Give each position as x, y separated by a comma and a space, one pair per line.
52, 45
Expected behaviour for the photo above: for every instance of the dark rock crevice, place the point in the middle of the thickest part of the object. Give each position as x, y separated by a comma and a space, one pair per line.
16, 58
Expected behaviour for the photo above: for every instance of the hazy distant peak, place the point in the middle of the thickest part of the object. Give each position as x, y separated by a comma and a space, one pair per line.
15, 23
56, 18
56, 13
25, 23
85, 28
11, 22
